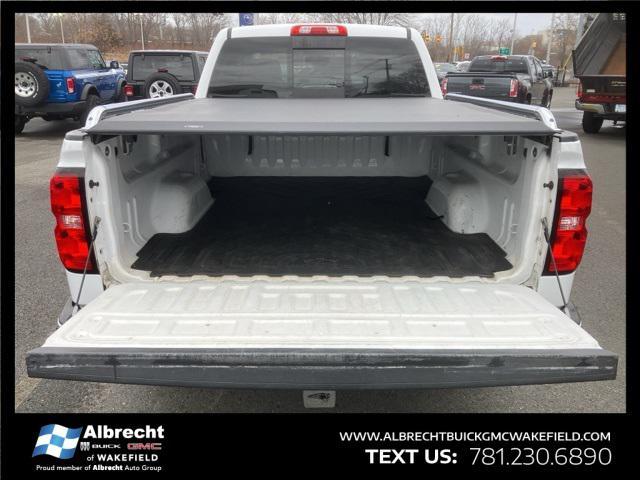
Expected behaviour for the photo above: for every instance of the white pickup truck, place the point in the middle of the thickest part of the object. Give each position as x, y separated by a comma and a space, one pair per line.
318, 216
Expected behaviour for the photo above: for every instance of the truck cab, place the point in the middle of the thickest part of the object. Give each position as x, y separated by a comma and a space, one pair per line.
56, 81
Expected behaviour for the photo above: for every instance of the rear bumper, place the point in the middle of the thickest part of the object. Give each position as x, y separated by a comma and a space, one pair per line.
67, 108
600, 109
327, 369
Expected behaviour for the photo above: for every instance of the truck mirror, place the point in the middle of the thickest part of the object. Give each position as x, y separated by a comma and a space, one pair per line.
114, 64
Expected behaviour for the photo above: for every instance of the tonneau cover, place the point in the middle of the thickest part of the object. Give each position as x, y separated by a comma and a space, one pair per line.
321, 116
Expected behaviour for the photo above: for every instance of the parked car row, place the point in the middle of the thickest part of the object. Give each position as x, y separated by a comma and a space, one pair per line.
59, 81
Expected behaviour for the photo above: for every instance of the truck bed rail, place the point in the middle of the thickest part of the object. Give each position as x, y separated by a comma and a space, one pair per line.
530, 111
105, 111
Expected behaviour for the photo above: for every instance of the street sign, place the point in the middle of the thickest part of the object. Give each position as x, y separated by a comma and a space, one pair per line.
504, 51
246, 19
426, 37
466, 56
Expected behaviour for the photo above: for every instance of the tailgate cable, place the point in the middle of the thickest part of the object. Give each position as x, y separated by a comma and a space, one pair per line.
553, 261
96, 221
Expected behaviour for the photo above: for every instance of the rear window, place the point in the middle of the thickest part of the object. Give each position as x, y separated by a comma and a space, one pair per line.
509, 65
180, 66
287, 67
83, 58
47, 58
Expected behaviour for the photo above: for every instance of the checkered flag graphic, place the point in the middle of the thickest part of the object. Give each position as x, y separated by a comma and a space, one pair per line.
57, 441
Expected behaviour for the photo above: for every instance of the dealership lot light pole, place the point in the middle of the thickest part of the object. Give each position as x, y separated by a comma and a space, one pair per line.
59, 15
550, 40
26, 19
513, 33
141, 31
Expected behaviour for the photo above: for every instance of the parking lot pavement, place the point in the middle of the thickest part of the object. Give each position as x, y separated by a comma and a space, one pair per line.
599, 292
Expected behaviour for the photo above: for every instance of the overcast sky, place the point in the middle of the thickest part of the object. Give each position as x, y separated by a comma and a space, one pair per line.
527, 23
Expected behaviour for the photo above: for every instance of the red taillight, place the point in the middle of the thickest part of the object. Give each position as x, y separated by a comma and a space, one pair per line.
128, 90
498, 58
443, 87
513, 88
71, 231
194, 89
302, 30
570, 231
71, 85
579, 92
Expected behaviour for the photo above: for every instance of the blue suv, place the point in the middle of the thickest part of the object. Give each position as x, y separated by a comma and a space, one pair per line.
56, 81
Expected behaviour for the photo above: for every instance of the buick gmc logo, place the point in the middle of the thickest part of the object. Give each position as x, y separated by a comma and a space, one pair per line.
144, 446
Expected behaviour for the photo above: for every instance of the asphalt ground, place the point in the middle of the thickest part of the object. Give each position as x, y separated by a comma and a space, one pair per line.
41, 291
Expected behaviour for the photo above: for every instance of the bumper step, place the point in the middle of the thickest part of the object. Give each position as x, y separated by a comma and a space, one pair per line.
322, 369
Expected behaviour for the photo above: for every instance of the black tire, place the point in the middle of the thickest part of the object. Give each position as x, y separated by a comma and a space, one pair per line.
165, 79
92, 101
31, 84
591, 123
19, 124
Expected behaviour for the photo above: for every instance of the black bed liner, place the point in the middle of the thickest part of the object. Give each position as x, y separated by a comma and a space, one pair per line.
321, 226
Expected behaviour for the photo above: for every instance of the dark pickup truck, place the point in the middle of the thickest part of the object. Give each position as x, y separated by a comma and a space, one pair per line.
513, 78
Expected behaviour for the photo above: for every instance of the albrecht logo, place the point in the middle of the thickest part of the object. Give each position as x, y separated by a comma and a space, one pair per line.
57, 441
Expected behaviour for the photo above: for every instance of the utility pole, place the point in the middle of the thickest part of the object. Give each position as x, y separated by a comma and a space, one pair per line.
550, 40
513, 33
451, 53
26, 18
141, 32
59, 15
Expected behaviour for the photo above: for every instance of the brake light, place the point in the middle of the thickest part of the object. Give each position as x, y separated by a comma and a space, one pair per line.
194, 89
443, 87
498, 58
579, 92
128, 90
71, 85
72, 229
303, 30
570, 231
513, 88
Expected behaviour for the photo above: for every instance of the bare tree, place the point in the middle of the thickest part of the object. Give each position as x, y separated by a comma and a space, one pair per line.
501, 31
564, 36
204, 27
437, 27
275, 18
386, 18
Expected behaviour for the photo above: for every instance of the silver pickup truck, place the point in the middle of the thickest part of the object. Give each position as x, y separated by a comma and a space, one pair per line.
318, 216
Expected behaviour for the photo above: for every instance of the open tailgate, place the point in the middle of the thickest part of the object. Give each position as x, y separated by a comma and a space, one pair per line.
321, 333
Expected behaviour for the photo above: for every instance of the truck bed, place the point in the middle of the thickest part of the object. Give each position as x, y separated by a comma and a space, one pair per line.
602, 49
321, 226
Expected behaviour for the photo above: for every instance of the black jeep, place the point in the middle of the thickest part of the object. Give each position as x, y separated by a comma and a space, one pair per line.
162, 73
